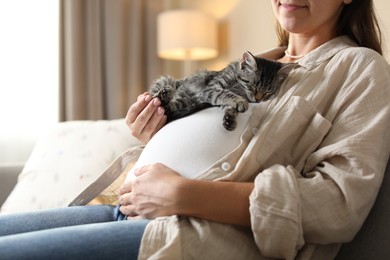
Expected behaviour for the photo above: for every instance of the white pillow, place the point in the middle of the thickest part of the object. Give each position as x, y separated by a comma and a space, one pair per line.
66, 160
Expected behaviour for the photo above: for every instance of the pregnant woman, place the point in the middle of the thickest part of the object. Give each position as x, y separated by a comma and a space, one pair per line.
296, 180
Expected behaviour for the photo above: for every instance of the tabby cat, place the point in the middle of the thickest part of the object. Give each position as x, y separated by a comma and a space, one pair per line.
252, 79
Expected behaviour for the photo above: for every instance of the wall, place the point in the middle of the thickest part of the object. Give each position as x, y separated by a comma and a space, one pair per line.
383, 9
244, 25
249, 25
28, 75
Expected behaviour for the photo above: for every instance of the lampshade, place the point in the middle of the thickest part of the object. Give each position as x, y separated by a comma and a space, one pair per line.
186, 35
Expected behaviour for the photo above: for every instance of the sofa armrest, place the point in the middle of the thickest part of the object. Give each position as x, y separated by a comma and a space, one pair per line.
8, 178
372, 241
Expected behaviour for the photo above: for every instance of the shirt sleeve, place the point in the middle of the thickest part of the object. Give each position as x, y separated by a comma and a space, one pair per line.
328, 201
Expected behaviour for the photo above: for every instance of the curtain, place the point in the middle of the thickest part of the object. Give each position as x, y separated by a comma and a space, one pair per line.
108, 56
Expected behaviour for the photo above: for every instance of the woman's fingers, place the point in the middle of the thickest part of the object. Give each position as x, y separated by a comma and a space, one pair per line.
125, 199
128, 210
145, 117
135, 109
156, 121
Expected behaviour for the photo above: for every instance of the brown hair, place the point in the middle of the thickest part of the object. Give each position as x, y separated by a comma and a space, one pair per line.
357, 21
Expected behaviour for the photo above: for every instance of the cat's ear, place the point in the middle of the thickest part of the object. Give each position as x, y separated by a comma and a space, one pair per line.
248, 61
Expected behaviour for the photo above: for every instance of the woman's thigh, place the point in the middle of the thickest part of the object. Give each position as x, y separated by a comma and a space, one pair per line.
110, 240
53, 218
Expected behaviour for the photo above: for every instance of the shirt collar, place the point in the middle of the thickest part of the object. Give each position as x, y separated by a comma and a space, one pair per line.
325, 52
316, 56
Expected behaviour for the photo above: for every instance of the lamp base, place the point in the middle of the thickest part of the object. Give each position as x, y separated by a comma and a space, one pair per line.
187, 69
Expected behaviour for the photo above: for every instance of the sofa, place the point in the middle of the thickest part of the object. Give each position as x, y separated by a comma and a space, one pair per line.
8, 178
71, 155
64, 161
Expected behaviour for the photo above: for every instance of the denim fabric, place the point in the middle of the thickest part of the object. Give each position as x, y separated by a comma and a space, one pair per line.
85, 232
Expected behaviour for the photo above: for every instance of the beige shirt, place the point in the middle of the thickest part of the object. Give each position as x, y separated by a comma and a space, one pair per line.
316, 154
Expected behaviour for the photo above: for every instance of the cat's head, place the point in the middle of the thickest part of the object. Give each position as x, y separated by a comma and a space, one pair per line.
261, 78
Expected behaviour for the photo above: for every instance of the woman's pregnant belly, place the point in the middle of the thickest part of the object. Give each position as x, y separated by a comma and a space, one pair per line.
192, 144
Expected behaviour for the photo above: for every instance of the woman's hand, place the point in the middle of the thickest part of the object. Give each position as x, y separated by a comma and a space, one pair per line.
160, 191
154, 192
145, 117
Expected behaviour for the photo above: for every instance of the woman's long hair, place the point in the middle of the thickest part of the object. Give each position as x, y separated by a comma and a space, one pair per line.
357, 21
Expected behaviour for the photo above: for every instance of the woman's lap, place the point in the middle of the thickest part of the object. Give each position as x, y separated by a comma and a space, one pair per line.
76, 233
52, 218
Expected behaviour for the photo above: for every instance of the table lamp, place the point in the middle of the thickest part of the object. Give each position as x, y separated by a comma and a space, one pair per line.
186, 35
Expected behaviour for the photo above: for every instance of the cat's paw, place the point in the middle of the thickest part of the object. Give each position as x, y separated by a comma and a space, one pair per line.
165, 95
229, 119
164, 89
241, 105
229, 122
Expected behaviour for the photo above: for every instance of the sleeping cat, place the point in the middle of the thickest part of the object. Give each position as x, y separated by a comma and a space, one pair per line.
252, 79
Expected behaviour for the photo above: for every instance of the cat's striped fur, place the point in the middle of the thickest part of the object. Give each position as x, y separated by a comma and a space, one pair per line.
252, 79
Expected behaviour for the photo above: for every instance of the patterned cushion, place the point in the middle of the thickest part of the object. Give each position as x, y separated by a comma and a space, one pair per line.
66, 160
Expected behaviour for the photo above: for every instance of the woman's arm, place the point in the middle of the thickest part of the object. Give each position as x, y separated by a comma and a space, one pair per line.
151, 196
145, 117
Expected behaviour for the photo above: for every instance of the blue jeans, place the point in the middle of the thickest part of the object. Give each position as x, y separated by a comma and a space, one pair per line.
86, 232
